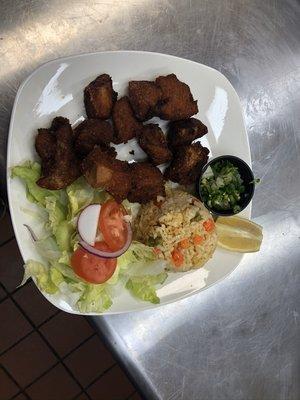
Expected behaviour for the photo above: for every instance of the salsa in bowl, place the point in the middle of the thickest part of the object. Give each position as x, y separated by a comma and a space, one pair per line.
226, 185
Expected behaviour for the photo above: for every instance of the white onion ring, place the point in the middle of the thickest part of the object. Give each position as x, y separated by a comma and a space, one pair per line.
80, 223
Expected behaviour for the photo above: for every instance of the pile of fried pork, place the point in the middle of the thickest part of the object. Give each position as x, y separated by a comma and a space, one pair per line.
87, 150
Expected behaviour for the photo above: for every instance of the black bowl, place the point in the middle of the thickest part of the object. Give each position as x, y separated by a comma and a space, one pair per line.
246, 175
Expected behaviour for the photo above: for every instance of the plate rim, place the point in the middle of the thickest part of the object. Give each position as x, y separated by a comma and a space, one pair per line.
8, 159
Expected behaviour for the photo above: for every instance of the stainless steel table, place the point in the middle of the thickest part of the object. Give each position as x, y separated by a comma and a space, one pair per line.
237, 340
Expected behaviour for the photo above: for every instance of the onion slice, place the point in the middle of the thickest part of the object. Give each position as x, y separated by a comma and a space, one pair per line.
87, 223
106, 254
32, 234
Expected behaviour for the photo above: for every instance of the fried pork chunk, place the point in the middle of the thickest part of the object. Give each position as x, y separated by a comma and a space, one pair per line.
147, 183
143, 97
126, 125
99, 97
45, 145
90, 133
187, 163
55, 146
102, 170
153, 141
185, 131
177, 101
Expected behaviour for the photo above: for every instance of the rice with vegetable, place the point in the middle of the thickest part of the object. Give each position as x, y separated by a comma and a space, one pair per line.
180, 229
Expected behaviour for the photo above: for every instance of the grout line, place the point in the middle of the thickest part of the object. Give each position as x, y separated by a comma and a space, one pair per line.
79, 345
48, 319
17, 289
21, 390
99, 376
6, 241
4, 298
16, 343
77, 395
8, 293
40, 376
16, 395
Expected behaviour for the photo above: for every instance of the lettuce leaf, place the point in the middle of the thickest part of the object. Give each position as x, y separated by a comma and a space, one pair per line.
42, 276
80, 194
56, 212
143, 287
30, 172
63, 235
94, 299
137, 252
48, 249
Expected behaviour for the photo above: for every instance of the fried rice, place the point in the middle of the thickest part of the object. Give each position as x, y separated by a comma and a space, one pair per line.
180, 229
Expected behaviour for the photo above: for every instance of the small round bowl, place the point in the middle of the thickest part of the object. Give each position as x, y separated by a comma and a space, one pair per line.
246, 175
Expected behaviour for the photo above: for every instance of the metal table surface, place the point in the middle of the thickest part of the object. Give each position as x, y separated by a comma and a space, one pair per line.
238, 339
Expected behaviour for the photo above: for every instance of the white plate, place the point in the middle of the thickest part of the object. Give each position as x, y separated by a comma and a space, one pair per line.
56, 88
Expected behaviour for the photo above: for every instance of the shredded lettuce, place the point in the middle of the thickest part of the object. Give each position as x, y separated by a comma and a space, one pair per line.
143, 287
59, 210
137, 252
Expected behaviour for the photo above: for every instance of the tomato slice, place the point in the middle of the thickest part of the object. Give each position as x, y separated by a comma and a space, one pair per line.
92, 268
112, 225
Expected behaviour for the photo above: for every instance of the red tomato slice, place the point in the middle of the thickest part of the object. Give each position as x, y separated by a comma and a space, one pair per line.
112, 225
92, 268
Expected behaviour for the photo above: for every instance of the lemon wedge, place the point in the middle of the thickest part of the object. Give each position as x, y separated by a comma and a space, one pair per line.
239, 234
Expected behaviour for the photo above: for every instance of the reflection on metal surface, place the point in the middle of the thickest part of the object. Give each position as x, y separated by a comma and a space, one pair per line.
217, 111
51, 98
238, 339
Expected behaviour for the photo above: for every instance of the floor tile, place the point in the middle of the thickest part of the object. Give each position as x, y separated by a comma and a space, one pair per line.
13, 324
6, 229
34, 304
89, 361
11, 267
28, 360
113, 385
57, 384
66, 331
7, 386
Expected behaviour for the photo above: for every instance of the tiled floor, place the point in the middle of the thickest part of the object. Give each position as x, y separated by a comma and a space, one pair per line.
46, 354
